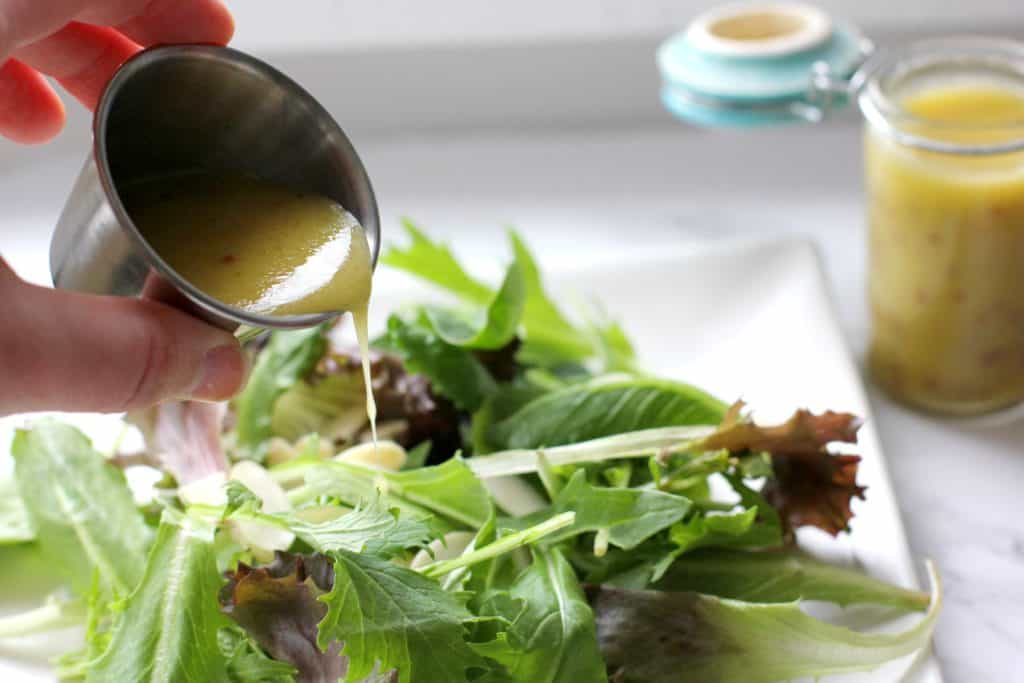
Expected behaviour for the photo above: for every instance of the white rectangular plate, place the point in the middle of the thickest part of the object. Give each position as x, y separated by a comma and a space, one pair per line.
742, 320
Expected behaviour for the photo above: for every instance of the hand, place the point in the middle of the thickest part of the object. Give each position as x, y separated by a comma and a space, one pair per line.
80, 43
63, 350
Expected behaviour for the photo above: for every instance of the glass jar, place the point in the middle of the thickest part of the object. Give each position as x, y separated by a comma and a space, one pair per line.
944, 170
944, 180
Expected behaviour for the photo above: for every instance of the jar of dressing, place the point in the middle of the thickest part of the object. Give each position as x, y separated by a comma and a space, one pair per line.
944, 178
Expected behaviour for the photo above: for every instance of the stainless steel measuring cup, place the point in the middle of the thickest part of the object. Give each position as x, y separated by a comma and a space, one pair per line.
197, 107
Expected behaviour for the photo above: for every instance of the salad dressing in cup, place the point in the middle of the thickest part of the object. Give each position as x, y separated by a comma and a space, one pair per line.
944, 173
218, 175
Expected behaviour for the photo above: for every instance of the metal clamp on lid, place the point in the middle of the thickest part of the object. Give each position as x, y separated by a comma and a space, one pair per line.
760, 63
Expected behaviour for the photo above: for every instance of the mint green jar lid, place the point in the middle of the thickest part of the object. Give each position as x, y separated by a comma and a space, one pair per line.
759, 63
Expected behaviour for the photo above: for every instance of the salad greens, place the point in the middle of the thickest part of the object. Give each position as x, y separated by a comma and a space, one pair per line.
539, 509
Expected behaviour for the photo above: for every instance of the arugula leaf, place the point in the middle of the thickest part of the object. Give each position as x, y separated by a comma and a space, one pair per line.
614, 347
288, 356
714, 530
651, 636
81, 507
277, 605
550, 338
551, 634
449, 490
434, 262
168, 630
394, 618
495, 549
735, 530
608, 405
782, 577
371, 529
628, 516
493, 326
15, 523
454, 372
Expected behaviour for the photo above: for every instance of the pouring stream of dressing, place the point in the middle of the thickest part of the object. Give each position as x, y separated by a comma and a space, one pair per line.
260, 247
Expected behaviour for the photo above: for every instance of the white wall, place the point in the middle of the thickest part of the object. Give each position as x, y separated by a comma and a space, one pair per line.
276, 24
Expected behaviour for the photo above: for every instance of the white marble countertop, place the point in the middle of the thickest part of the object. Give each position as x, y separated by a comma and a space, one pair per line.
577, 193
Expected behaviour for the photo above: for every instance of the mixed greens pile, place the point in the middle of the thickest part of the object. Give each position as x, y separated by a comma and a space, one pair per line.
538, 510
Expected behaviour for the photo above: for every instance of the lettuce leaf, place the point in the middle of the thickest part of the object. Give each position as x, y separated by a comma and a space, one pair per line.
782, 577
168, 630
247, 663
652, 636
277, 604
184, 437
15, 523
81, 507
810, 486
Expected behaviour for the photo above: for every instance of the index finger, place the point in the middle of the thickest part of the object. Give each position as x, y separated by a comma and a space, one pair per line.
174, 21
83, 57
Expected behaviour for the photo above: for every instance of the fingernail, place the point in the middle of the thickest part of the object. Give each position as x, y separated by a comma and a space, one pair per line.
223, 374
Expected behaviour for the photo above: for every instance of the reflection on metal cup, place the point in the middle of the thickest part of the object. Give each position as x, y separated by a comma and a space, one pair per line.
185, 108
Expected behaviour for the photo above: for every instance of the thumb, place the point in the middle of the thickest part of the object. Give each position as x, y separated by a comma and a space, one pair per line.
63, 350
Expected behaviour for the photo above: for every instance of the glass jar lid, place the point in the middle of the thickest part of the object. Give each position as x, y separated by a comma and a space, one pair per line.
758, 63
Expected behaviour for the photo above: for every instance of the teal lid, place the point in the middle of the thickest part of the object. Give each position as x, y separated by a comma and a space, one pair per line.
759, 63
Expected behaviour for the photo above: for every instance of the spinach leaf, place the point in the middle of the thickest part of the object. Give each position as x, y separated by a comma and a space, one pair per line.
608, 405
781, 577
505, 401
287, 357
551, 634
453, 371
391, 617
493, 326
81, 507
628, 516
168, 630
